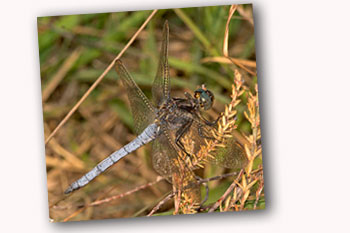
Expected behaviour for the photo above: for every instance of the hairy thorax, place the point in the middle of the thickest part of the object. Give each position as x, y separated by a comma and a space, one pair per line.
175, 113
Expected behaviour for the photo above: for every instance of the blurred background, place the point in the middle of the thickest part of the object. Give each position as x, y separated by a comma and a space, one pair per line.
76, 49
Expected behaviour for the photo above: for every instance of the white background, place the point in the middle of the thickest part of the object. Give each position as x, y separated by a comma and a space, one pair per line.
303, 64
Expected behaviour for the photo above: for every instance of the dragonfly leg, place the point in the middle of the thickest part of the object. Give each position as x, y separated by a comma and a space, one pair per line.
210, 123
217, 119
213, 123
200, 132
179, 134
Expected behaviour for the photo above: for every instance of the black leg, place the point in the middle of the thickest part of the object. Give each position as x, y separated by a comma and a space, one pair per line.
209, 123
179, 134
213, 123
217, 119
200, 133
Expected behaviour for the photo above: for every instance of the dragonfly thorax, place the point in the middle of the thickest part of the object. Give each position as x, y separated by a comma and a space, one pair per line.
175, 112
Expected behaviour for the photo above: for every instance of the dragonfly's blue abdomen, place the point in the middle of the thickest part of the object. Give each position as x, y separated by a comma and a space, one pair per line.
149, 134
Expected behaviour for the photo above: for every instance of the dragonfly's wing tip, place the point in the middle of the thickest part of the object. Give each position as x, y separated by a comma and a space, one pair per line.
118, 61
119, 67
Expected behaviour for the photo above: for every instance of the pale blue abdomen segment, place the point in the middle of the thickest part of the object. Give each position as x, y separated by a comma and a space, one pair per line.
148, 135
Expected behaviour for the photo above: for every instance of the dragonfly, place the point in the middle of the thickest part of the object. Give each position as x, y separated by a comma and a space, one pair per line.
167, 122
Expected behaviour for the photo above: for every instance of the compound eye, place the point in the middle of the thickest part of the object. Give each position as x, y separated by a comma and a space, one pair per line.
205, 97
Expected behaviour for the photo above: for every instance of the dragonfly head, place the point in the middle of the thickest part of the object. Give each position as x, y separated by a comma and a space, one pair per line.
205, 97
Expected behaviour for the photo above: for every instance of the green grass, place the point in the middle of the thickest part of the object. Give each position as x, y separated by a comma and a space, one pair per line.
195, 33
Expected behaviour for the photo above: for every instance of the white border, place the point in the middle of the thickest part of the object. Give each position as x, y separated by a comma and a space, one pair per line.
303, 56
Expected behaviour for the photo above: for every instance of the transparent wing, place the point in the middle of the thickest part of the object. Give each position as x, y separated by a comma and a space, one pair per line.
165, 154
196, 137
231, 156
141, 108
168, 162
161, 84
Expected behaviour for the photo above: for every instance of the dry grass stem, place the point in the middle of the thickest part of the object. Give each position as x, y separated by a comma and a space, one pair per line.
225, 44
109, 199
242, 186
245, 14
61, 73
240, 63
73, 215
250, 177
99, 79
106, 200
227, 192
226, 60
223, 132
156, 208
76, 54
